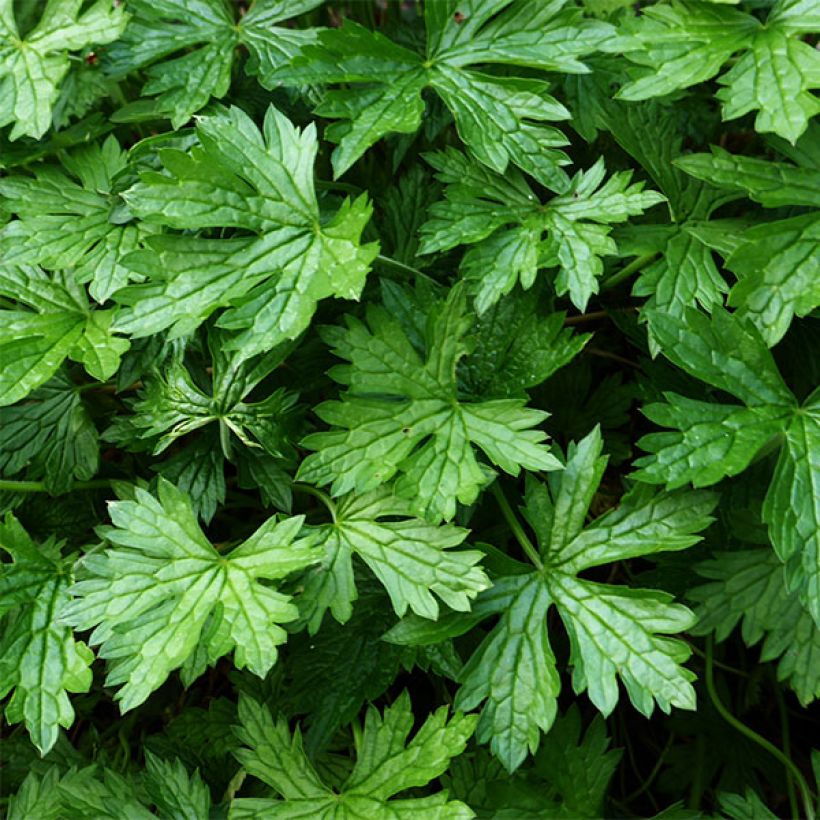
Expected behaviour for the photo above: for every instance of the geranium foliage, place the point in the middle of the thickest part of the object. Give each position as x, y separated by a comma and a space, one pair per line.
409, 408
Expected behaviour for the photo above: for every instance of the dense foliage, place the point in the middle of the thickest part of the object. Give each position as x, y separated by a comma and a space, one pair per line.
409, 408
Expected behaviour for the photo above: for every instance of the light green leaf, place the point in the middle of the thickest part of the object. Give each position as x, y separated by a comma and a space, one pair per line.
65, 223
150, 597
40, 662
412, 558
615, 632
32, 67
402, 416
386, 765
33, 345
517, 234
261, 182
207, 37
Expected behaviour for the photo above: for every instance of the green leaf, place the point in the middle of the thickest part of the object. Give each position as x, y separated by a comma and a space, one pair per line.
615, 632
515, 234
685, 43
386, 765
89, 793
65, 219
176, 794
747, 587
412, 558
50, 436
778, 274
185, 83
261, 182
500, 118
40, 662
33, 345
162, 587
776, 262
332, 675
747, 806
520, 347
402, 416
713, 440
792, 505
772, 184
579, 767
32, 66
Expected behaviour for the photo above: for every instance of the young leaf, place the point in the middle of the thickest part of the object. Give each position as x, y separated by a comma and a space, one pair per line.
412, 558
713, 440
402, 415
32, 66
162, 588
615, 632
185, 83
386, 765
40, 662
173, 405
261, 182
500, 118
514, 234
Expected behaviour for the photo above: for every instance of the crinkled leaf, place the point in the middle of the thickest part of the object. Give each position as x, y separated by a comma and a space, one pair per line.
402, 416
40, 662
32, 67
386, 765
149, 596
615, 632
412, 558
260, 181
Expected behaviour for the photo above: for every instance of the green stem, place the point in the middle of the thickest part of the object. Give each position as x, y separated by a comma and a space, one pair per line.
337, 186
40, 487
515, 526
785, 735
751, 734
627, 270
388, 262
724, 666
653, 774
317, 493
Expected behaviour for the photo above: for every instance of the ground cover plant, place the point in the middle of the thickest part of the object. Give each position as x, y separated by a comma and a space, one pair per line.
409, 408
